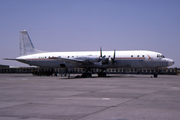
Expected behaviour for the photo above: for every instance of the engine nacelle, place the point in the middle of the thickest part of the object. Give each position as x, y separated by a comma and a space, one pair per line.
109, 61
93, 58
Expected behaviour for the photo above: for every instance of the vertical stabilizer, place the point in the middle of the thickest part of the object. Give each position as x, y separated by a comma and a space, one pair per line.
26, 45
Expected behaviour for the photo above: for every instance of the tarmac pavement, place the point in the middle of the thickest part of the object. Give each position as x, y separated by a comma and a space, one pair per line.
119, 97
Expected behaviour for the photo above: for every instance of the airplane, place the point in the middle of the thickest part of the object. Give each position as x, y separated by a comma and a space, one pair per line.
90, 59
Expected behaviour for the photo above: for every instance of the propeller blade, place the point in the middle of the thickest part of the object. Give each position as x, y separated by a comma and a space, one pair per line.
100, 52
113, 59
114, 54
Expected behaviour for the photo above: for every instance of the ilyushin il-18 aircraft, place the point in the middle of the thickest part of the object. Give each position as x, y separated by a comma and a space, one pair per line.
91, 59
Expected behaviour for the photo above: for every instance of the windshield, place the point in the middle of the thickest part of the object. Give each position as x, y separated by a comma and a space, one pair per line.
160, 56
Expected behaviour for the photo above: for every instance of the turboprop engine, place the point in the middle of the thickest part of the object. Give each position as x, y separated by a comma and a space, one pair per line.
93, 58
99, 60
107, 60
90, 59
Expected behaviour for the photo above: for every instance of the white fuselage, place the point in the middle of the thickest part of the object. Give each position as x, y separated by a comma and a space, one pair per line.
124, 59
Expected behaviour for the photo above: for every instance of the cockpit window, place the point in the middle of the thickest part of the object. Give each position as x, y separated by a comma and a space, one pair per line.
160, 56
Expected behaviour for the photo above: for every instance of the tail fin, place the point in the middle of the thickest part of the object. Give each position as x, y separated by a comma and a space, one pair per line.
26, 45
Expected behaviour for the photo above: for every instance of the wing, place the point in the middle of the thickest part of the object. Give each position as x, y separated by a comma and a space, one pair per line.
72, 60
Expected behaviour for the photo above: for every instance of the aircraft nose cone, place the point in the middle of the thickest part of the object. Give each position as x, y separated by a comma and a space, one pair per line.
170, 62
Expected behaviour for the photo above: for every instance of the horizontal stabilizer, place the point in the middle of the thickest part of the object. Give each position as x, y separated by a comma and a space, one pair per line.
14, 59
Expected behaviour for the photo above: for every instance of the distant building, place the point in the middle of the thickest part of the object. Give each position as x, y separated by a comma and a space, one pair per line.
4, 66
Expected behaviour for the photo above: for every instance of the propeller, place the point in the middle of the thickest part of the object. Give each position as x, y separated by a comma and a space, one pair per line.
105, 60
102, 58
113, 59
100, 52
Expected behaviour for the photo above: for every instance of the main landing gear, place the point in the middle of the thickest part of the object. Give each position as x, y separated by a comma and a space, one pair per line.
86, 75
102, 74
155, 75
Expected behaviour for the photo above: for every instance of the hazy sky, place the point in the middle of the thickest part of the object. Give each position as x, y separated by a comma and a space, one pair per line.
82, 25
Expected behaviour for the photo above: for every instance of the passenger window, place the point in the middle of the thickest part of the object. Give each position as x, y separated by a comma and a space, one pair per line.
137, 55
131, 55
142, 55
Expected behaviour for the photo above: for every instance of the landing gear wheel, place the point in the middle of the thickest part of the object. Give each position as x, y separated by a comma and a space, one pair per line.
102, 74
86, 75
155, 75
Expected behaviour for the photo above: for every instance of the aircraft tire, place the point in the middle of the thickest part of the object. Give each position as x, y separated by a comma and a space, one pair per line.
102, 74
86, 75
155, 75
